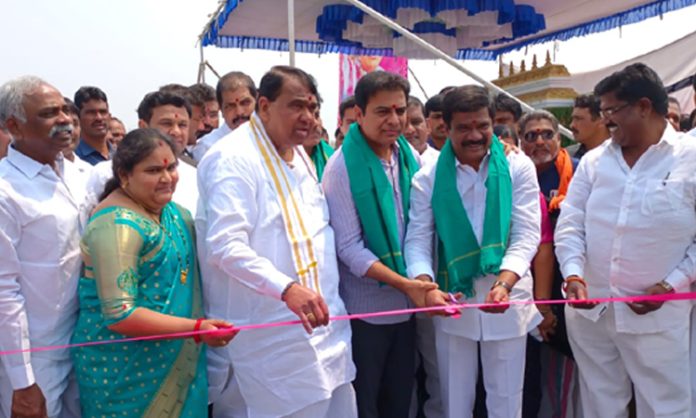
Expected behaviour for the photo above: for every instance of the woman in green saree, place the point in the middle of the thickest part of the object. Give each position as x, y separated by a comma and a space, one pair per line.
141, 278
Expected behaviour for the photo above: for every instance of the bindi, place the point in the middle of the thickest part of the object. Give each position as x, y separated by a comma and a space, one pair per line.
166, 162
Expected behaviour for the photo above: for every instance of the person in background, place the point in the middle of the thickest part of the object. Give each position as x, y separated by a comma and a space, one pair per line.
236, 94
589, 129
93, 106
506, 134
674, 113
317, 148
436, 126
117, 130
346, 115
141, 279
417, 133
507, 111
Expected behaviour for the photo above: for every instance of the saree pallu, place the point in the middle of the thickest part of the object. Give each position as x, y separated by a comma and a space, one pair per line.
133, 262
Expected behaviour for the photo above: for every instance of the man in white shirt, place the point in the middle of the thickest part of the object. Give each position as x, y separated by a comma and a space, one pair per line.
268, 254
41, 195
170, 114
417, 133
236, 94
627, 227
485, 250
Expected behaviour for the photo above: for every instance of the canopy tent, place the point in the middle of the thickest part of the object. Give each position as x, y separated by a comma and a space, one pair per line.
674, 63
465, 29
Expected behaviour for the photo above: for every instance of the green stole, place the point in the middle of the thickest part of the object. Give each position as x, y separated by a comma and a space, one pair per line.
373, 196
320, 155
461, 259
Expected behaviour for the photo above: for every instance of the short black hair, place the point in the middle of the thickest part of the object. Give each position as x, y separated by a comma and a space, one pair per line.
693, 82
434, 104
589, 102
414, 101
347, 103
232, 81
87, 93
272, 82
505, 103
372, 83
504, 131
470, 98
198, 94
160, 98
634, 83
72, 109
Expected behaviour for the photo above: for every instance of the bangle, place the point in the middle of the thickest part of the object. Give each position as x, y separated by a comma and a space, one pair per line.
572, 279
502, 283
196, 328
285, 291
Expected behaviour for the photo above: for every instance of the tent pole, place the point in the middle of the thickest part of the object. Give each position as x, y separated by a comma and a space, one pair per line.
291, 31
438, 53
201, 66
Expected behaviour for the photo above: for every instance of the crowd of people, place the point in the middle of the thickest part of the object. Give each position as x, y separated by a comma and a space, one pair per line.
179, 231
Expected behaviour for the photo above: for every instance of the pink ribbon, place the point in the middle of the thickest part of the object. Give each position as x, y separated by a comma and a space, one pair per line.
449, 308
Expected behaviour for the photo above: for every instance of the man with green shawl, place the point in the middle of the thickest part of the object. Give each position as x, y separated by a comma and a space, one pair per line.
317, 148
367, 185
482, 208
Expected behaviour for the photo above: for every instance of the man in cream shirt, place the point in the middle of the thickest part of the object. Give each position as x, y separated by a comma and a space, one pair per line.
488, 264
627, 227
268, 254
41, 199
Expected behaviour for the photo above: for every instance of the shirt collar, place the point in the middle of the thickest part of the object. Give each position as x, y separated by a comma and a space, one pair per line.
669, 137
29, 166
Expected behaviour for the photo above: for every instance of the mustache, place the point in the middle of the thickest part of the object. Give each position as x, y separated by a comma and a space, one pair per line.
240, 118
59, 129
474, 143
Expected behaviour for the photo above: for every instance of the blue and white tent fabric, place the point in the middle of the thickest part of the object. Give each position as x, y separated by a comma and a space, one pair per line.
465, 29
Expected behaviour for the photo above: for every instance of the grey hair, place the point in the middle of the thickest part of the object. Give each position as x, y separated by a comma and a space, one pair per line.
12, 95
539, 114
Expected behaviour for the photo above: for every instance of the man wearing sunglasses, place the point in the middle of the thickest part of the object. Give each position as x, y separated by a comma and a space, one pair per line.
628, 228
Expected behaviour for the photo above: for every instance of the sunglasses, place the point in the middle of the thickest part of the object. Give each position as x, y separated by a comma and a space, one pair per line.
546, 135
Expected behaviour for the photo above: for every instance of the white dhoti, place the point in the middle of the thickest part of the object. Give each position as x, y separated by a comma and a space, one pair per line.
425, 343
609, 361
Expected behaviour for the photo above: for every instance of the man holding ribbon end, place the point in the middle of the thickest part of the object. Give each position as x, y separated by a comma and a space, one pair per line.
268, 255
627, 228
483, 208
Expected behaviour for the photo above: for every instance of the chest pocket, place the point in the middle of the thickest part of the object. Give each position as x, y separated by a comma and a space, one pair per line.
666, 196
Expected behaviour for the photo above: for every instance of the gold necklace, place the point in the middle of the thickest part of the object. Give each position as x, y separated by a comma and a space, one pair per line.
156, 219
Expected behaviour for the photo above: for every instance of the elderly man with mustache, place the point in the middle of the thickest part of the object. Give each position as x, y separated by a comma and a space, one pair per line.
41, 197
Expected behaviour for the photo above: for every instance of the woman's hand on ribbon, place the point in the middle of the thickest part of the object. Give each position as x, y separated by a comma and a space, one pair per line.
308, 306
547, 327
217, 339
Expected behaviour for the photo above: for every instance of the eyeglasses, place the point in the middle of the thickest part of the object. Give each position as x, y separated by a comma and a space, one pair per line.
546, 135
610, 111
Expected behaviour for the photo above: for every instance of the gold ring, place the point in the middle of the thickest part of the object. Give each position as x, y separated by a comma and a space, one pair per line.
311, 317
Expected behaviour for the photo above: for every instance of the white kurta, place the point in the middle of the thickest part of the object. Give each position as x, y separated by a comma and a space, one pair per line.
524, 240
41, 218
207, 141
246, 262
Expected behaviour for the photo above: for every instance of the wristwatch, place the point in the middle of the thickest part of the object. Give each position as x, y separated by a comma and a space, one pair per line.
507, 286
665, 285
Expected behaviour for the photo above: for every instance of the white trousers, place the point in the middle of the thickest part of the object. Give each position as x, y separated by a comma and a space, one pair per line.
692, 357
608, 362
503, 374
425, 342
62, 395
342, 404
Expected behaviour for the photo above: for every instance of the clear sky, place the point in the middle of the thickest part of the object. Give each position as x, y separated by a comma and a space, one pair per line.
131, 47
